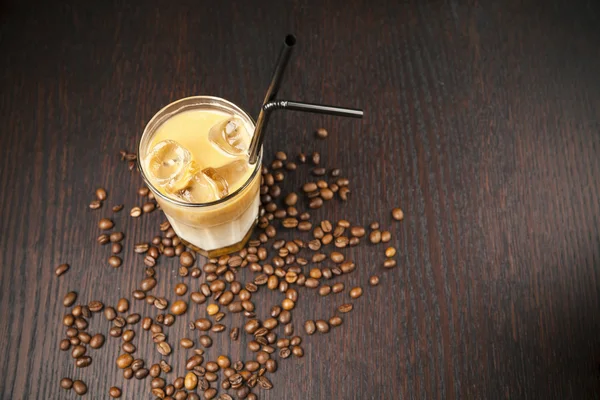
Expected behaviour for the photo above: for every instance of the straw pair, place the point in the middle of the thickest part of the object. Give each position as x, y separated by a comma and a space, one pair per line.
270, 104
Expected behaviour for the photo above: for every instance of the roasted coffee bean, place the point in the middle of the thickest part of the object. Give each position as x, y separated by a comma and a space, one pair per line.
149, 261
69, 299
375, 236
157, 383
118, 207
116, 248
128, 335
80, 387
285, 352
310, 327
316, 158
137, 364
65, 344
163, 348
304, 216
115, 331
193, 362
186, 259
386, 236
116, 237
321, 133
97, 341
321, 184
141, 248
114, 392
347, 266
66, 383
179, 307
338, 231
210, 393
288, 329
161, 303
198, 298
291, 199
133, 319
123, 305
280, 155
234, 334
397, 214
304, 226
336, 257
212, 309
148, 207
322, 326
287, 304
298, 351
326, 194
124, 361
328, 238
181, 289
114, 261
101, 194
72, 332
61, 269
309, 187
338, 287
155, 370
354, 241
357, 231
374, 280
270, 231
81, 323
78, 351
135, 212
315, 202
389, 263
140, 373
105, 224
83, 362
143, 191
344, 308
341, 242
158, 337
319, 171
68, 320
324, 290
253, 345
356, 292
205, 341
335, 321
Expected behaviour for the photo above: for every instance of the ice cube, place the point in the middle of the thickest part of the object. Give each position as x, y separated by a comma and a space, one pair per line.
167, 161
218, 182
230, 136
234, 171
202, 186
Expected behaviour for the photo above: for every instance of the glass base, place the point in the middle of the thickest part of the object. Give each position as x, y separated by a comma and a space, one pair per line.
223, 250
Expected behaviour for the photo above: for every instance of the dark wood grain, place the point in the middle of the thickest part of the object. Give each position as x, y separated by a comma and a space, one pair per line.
482, 121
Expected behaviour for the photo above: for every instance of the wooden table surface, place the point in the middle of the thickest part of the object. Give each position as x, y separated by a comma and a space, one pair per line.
481, 121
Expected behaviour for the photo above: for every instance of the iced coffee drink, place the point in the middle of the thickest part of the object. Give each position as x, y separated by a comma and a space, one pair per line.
194, 157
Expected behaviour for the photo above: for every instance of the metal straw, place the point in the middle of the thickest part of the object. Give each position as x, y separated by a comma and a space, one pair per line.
269, 104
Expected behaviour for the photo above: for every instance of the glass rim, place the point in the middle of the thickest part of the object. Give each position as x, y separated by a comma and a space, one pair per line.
159, 114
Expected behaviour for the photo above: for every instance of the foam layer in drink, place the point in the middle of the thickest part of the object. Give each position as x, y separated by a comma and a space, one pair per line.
199, 156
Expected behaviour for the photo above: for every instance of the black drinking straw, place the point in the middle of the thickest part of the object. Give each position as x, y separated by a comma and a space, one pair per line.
269, 104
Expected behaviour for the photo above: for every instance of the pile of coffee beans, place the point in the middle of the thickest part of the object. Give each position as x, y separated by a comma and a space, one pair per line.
274, 264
